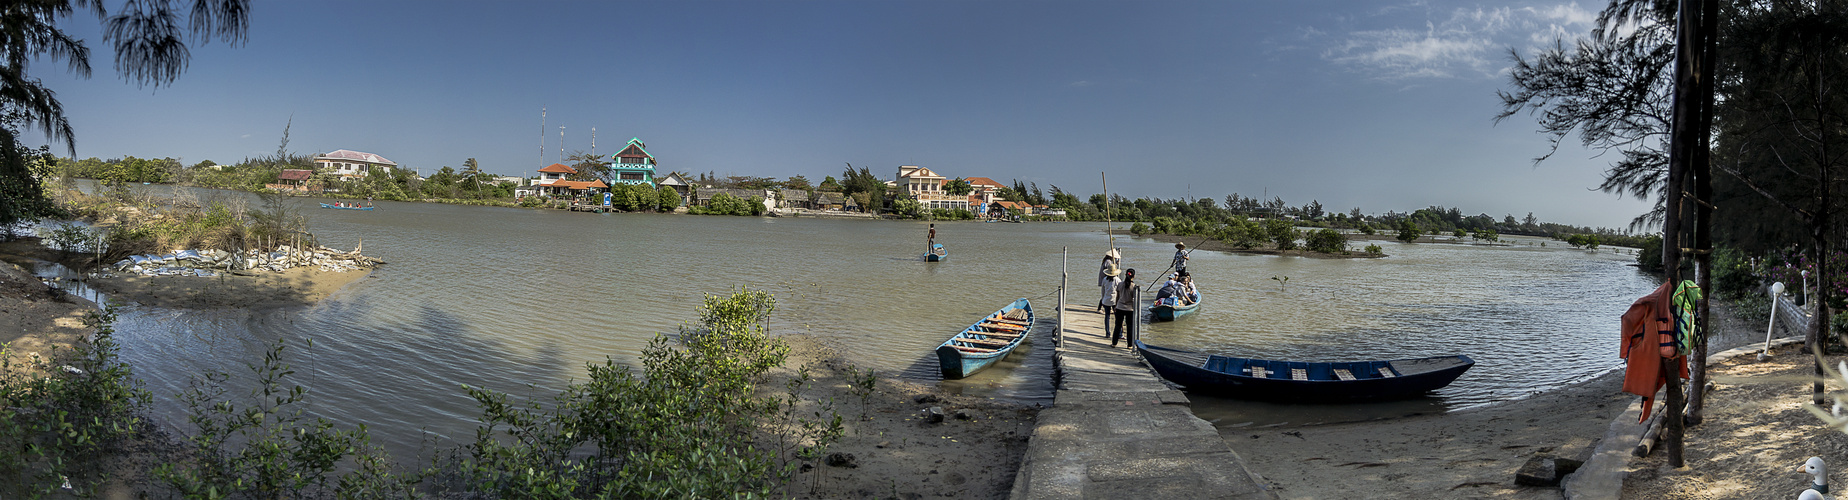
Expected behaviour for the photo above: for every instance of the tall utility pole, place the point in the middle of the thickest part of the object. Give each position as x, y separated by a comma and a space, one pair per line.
1692, 123
561, 143
593, 142
541, 137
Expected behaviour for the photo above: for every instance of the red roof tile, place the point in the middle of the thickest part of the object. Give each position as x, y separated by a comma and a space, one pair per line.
292, 174
560, 168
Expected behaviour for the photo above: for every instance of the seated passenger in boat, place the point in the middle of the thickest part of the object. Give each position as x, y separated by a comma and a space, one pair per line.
1170, 288
1188, 294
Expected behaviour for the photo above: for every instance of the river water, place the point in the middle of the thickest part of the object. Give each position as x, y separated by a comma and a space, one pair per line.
519, 300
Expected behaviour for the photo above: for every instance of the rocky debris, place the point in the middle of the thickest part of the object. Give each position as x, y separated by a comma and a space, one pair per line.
1545, 470
966, 414
210, 262
934, 415
838, 459
926, 398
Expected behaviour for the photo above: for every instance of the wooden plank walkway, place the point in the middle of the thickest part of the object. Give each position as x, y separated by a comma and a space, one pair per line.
1115, 430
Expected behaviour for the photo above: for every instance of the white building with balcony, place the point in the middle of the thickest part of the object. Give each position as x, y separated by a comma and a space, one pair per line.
347, 163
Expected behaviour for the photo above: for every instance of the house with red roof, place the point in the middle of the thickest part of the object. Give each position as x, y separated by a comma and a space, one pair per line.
927, 187
552, 182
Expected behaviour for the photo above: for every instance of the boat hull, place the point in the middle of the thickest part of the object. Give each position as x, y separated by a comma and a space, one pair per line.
937, 254
1171, 313
1319, 383
336, 207
974, 349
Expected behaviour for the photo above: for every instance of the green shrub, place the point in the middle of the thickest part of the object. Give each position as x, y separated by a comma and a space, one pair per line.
1139, 229
1326, 241
62, 417
1282, 232
1374, 249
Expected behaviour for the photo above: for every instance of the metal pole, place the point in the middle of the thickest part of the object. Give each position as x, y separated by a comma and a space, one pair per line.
1064, 263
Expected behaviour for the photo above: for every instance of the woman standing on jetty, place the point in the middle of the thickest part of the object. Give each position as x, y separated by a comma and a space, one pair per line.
1106, 279
1125, 304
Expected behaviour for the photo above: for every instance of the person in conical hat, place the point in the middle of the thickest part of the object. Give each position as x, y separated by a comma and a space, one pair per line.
1106, 279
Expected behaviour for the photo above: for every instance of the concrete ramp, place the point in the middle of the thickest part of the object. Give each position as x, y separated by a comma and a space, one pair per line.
1115, 430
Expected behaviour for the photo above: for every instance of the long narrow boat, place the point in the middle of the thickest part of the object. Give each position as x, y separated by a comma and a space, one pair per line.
987, 341
1298, 381
937, 253
1169, 309
330, 205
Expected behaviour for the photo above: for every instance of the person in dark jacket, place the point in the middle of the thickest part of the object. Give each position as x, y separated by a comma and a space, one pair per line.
1125, 304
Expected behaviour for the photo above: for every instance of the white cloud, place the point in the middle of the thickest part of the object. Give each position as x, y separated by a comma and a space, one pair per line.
1468, 42
245, 136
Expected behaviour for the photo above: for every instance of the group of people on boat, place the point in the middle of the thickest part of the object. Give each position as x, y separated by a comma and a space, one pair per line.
1119, 302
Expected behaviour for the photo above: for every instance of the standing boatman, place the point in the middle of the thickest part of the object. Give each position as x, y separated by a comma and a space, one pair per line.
931, 240
1180, 258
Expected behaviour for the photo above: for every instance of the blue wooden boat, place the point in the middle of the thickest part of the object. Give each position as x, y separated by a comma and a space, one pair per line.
987, 341
333, 206
937, 253
1298, 381
1170, 308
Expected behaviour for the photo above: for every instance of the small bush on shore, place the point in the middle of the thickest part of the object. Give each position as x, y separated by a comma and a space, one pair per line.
62, 418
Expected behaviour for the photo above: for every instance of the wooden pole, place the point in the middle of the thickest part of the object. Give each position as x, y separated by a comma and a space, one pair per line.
1703, 206
1107, 232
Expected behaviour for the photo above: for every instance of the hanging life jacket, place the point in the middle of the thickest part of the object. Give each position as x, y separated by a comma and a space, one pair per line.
1688, 331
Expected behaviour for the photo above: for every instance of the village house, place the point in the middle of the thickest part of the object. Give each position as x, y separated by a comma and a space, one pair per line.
834, 200
927, 187
347, 163
633, 165
982, 192
292, 179
679, 184
794, 199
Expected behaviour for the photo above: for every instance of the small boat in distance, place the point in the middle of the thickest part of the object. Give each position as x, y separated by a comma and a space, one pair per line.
1303, 382
344, 207
937, 253
987, 341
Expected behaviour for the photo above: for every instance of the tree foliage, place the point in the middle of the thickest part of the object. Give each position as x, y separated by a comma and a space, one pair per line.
149, 51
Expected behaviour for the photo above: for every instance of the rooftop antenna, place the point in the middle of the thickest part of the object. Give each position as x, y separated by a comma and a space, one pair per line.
541, 137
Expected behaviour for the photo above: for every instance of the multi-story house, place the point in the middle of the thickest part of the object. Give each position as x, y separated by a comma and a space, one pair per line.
347, 163
927, 187
633, 165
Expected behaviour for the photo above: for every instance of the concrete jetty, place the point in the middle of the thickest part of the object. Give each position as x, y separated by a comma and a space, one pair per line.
1115, 430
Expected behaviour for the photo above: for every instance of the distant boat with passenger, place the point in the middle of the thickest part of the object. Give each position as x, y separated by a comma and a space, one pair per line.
345, 206
937, 253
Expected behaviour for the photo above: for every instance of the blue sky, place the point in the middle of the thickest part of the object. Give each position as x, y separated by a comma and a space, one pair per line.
1377, 105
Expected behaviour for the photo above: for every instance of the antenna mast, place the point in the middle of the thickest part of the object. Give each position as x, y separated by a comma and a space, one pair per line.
542, 137
593, 142
561, 143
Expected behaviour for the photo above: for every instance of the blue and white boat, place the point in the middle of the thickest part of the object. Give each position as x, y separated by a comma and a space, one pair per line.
987, 341
937, 253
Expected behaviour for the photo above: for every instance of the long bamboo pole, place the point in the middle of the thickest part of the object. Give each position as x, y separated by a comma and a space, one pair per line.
1107, 217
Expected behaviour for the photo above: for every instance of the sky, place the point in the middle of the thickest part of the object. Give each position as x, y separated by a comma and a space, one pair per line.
1382, 106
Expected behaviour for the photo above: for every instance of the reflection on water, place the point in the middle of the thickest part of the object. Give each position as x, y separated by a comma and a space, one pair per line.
520, 300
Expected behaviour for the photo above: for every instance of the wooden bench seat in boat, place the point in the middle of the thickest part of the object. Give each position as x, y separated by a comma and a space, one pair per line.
1003, 326
996, 343
976, 350
1343, 374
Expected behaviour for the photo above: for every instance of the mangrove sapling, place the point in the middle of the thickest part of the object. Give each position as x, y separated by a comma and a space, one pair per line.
62, 418
268, 448
1280, 282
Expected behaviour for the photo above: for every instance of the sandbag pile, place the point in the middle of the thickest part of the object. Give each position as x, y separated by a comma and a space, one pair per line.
203, 262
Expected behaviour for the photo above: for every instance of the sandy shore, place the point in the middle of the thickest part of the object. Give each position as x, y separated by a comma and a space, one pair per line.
897, 452
297, 287
1465, 454
36, 318
1755, 437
